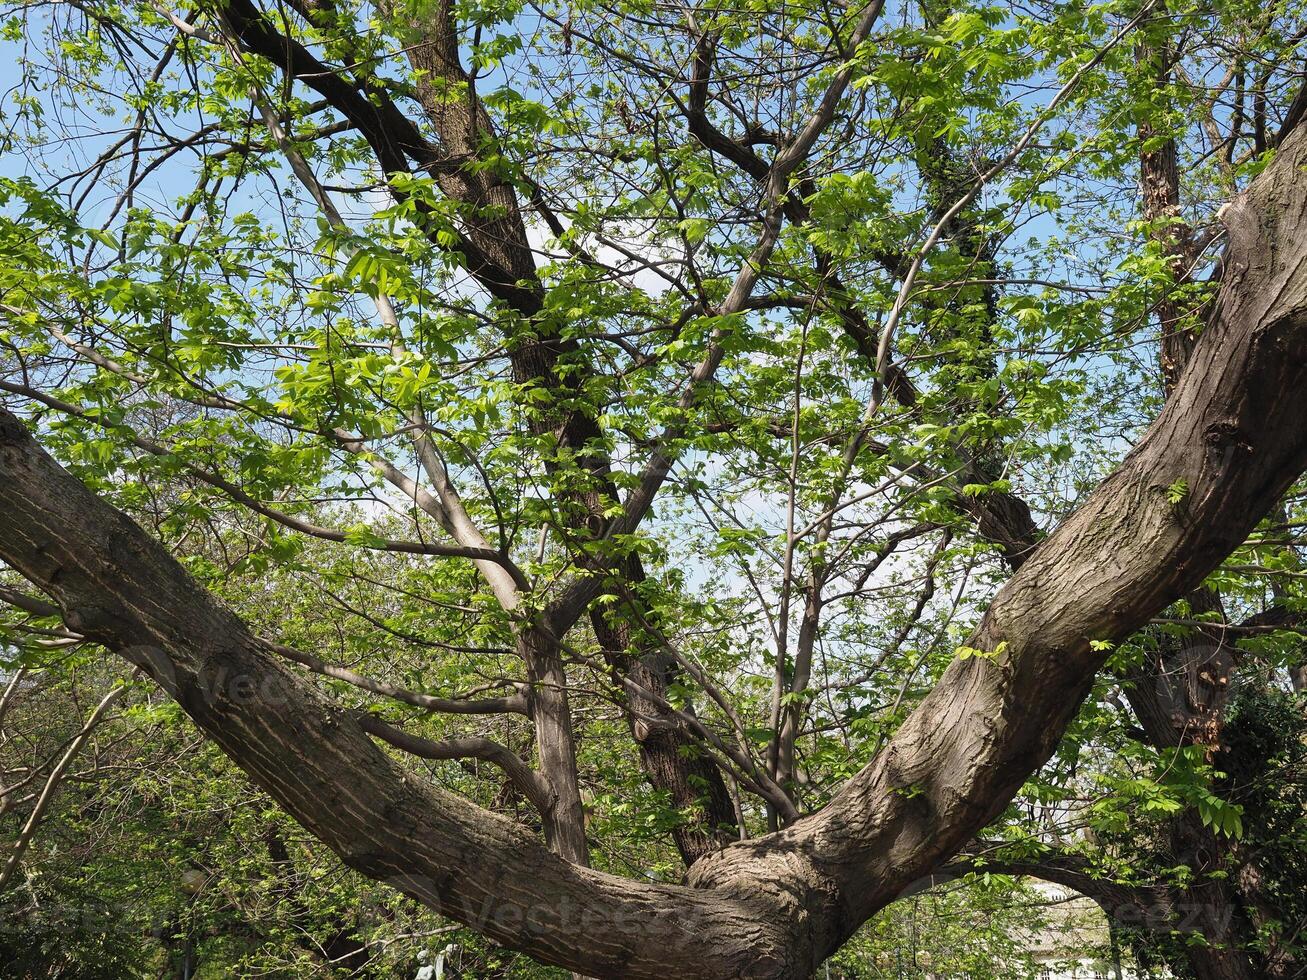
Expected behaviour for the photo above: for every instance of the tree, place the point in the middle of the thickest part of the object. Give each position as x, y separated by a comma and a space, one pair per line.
677, 264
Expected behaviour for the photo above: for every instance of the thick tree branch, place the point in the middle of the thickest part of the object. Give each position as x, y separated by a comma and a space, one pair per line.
526, 779
27, 603
1233, 432
119, 587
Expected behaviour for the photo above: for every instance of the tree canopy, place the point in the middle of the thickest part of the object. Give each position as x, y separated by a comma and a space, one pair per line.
655, 483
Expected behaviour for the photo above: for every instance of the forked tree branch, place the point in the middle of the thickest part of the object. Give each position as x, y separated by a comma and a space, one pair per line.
1233, 434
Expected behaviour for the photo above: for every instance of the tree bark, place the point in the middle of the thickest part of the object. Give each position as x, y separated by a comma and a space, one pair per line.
1210, 906
117, 586
1159, 188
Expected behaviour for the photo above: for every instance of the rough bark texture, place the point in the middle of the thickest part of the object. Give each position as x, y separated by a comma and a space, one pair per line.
1233, 432
118, 586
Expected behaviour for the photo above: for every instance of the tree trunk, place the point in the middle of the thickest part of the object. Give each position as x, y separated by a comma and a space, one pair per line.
673, 762
1210, 906
564, 819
